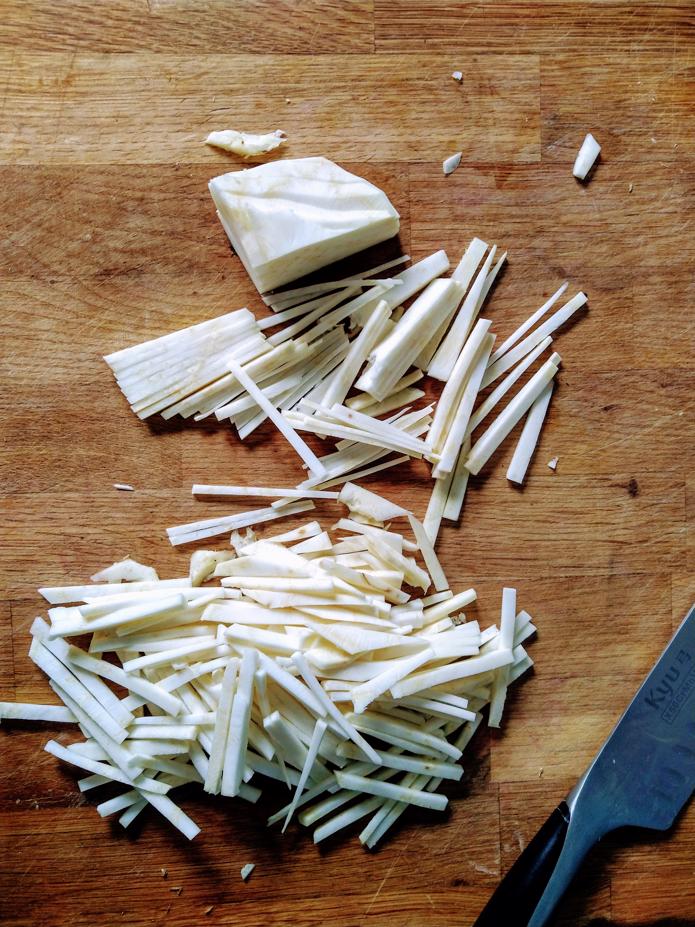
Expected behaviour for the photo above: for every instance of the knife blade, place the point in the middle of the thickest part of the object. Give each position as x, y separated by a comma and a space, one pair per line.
642, 776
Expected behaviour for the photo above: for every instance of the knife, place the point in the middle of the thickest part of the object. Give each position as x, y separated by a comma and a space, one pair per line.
642, 777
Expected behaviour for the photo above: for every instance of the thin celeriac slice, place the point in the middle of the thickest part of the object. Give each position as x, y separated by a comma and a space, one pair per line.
491, 439
528, 439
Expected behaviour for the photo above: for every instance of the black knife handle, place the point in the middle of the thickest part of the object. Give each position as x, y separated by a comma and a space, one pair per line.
519, 892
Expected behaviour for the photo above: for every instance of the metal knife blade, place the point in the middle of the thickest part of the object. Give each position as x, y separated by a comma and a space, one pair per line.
645, 771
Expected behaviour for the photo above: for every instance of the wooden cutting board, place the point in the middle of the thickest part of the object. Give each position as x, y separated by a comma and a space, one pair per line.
110, 238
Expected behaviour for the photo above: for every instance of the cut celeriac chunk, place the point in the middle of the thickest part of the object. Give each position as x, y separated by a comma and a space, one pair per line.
288, 218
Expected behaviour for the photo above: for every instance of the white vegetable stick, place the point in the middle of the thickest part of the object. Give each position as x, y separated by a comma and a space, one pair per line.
395, 400
450, 606
415, 737
386, 554
529, 323
129, 815
346, 459
113, 805
537, 335
316, 382
204, 562
259, 637
528, 439
139, 615
363, 695
284, 735
364, 303
434, 707
391, 359
490, 279
436, 506
164, 732
351, 732
345, 818
221, 732
491, 439
395, 760
195, 531
60, 595
309, 530
135, 684
316, 737
363, 401
396, 444
503, 388
172, 813
360, 349
459, 426
173, 655
443, 361
458, 482
57, 672
586, 157
322, 306
450, 397
201, 489
122, 758
315, 585
505, 642
427, 550
295, 688
304, 451
468, 264
459, 670
24, 711
390, 790
237, 738
412, 280
94, 766
303, 290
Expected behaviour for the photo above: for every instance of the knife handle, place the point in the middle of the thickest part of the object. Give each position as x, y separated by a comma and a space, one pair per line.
519, 892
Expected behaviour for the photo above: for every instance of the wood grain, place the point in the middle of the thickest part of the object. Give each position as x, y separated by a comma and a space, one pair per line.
256, 26
109, 237
78, 108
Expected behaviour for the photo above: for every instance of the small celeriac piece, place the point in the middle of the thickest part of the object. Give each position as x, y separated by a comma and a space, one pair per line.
246, 144
450, 164
586, 157
126, 571
369, 505
246, 870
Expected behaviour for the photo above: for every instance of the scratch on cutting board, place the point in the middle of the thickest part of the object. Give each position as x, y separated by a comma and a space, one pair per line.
387, 876
644, 431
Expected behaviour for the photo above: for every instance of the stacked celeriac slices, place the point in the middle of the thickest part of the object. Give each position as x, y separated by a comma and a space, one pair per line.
309, 662
358, 389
